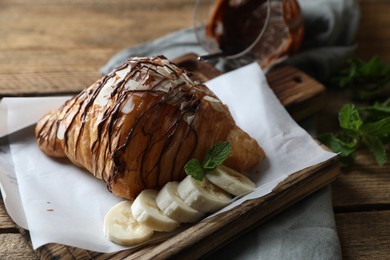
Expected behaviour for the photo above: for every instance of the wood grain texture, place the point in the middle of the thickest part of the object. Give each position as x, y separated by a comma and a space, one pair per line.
364, 186
6, 223
361, 194
373, 36
302, 95
60, 46
364, 235
14, 246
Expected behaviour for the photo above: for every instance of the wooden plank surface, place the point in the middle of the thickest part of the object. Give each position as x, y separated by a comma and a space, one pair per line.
6, 222
60, 45
364, 235
364, 186
361, 196
67, 41
373, 36
15, 246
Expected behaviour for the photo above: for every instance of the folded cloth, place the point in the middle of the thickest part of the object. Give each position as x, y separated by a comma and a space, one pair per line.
171, 46
330, 29
307, 230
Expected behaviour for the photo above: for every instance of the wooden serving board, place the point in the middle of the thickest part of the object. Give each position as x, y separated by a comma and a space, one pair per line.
302, 96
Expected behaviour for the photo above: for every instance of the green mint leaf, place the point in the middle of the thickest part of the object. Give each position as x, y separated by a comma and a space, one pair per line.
349, 118
339, 144
194, 168
371, 67
214, 157
366, 80
378, 110
377, 148
379, 128
369, 126
345, 148
374, 68
217, 155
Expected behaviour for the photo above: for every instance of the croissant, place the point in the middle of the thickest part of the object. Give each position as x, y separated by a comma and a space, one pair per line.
138, 126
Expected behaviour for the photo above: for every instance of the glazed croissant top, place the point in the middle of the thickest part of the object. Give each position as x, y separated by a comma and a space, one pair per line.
137, 127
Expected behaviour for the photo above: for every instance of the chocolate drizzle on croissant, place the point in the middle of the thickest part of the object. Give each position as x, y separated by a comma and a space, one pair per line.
137, 127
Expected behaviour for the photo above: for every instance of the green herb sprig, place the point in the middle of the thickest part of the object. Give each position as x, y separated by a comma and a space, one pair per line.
366, 80
368, 126
214, 157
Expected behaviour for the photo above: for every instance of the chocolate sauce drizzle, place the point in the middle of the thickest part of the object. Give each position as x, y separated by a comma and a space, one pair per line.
175, 107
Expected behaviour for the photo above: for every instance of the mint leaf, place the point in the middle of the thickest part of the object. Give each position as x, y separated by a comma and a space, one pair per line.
217, 155
359, 71
349, 118
372, 67
194, 168
379, 128
377, 110
369, 126
344, 147
382, 107
366, 80
214, 157
377, 148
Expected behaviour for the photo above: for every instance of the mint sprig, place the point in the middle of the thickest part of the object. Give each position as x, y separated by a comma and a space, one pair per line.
194, 168
366, 80
214, 157
369, 126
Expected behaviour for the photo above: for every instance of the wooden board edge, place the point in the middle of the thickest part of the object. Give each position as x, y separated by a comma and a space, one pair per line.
201, 239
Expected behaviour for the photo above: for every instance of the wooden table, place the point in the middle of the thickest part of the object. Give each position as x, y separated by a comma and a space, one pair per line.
59, 46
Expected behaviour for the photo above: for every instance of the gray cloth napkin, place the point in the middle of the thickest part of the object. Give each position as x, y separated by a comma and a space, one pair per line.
307, 230
304, 231
330, 29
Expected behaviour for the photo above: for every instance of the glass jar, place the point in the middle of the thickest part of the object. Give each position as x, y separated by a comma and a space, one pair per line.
243, 31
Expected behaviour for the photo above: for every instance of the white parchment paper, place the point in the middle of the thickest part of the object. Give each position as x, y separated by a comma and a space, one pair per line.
59, 203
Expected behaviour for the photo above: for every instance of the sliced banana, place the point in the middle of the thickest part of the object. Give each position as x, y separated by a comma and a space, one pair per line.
230, 180
146, 212
202, 195
122, 228
173, 206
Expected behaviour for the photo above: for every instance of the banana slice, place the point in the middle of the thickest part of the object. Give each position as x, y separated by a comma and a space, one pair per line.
202, 195
230, 180
121, 227
146, 212
173, 206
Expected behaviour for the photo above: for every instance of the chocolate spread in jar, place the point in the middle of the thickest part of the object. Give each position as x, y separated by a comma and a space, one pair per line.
236, 24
